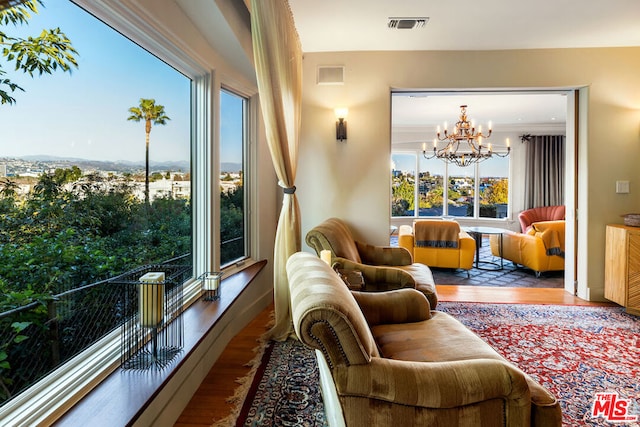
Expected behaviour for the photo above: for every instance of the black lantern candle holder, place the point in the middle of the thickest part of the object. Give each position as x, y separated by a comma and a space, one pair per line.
153, 334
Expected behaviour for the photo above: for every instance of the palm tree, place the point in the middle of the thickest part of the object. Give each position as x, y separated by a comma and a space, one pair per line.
150, 113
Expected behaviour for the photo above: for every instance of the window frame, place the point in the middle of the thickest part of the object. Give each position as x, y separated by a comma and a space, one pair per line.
246, 183
48, 399
445, 204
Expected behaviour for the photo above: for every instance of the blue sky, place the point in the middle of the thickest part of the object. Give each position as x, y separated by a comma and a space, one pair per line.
84, 114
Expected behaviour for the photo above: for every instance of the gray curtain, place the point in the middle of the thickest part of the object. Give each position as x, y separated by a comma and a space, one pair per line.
544, 171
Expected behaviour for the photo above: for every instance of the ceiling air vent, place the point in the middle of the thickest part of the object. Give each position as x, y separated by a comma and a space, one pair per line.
407, 23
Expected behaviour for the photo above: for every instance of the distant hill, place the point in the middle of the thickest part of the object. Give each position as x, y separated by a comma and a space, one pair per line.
230, 167
119, 166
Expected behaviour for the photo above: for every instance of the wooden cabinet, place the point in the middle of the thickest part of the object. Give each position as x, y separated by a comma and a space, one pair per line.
622, 266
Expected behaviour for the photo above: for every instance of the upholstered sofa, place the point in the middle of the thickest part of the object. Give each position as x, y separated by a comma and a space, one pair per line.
438, 243
383, 267
541, 213
541, 248
387, 359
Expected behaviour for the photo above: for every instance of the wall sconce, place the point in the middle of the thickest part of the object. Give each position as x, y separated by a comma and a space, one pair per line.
341, 124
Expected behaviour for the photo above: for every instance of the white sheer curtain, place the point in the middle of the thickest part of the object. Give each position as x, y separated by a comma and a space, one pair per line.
544, 171
278, 61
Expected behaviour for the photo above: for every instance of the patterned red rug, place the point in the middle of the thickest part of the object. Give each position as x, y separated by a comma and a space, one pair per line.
579, 353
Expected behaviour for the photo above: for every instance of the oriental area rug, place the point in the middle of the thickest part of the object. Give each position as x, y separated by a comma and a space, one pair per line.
581, 354
283, 390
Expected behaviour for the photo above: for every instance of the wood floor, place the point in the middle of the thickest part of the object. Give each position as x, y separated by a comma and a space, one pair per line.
210, 401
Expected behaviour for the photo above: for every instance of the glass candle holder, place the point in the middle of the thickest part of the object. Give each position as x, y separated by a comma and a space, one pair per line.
211, 282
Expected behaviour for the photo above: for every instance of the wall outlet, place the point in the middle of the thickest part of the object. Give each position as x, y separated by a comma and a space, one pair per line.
622, 187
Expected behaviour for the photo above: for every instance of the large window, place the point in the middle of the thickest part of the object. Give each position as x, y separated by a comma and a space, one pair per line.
493, 186
403, 178
431, 189
233, 110
477, 191
96, 184
460, 190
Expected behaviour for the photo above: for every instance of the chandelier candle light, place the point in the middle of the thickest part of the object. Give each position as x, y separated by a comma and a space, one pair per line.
463, 131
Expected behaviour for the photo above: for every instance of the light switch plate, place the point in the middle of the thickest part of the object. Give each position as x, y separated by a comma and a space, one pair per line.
622, 187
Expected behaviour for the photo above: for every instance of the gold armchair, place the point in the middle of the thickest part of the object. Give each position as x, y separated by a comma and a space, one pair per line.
438, 243
541, 248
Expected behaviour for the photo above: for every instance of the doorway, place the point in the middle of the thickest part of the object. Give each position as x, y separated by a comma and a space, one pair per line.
416, 116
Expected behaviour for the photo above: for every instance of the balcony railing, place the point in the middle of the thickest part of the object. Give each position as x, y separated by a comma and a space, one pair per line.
39, 337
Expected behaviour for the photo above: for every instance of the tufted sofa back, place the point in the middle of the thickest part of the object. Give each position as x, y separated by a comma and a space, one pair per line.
325, 314
542, 213
334, 234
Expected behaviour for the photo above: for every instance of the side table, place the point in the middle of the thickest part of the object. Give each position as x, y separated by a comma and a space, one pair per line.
476, 233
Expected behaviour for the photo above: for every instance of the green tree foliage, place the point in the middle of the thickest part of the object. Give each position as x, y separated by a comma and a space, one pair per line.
43, 54
498, 193
58, 239
150, 113
231, 224
402, 199
432, 199
62, 236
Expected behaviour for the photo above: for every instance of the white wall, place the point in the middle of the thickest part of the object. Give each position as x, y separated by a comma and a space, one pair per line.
351, 179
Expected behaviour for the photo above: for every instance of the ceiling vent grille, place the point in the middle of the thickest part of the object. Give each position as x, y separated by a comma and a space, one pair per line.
407, 23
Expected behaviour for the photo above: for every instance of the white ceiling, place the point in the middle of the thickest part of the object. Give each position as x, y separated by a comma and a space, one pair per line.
508, 112
361, 25
357, 25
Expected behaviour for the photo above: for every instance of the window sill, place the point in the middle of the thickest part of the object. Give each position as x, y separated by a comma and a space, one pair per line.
125, 394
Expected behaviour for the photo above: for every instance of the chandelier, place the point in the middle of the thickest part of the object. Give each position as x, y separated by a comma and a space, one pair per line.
455, 151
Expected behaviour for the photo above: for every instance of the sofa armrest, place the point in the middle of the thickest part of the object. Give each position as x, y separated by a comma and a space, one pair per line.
438, 384
383, 255
373, 274
399, 306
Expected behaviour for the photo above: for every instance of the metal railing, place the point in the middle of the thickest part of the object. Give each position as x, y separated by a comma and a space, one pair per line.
39, 337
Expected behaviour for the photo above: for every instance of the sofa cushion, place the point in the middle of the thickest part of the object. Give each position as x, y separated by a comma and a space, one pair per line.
442, 339
398, 306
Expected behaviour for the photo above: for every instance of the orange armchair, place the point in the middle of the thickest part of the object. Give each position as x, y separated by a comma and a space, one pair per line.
540, 249
438, 243
541, 213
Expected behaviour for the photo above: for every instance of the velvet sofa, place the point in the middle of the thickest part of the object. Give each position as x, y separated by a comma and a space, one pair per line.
438, 243
383, 267
541, 248
387, 359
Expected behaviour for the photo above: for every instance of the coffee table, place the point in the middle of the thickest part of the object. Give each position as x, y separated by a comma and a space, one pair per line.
476, 233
